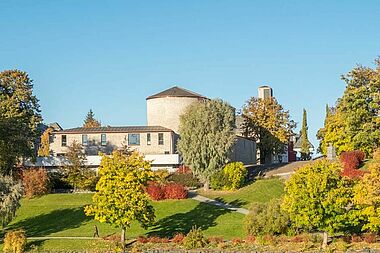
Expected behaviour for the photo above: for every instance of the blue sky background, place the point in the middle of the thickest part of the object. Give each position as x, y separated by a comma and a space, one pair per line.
111, 55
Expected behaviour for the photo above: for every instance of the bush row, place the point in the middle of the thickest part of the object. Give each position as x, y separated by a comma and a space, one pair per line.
168, 191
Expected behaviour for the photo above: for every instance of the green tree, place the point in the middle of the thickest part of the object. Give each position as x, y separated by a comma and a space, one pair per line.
367, 195
10, 195
90, 121
305, 143
354, 123
44, 149
120, 197
268, 124
206, 137
19, 118
318, 198
77, 174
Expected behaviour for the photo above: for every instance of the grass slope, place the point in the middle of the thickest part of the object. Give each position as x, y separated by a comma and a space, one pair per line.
259, 191
62, 215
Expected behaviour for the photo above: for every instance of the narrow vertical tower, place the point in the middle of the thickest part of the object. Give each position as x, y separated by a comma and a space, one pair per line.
265, 92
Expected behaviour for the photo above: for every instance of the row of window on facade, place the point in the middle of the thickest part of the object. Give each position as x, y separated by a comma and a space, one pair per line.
133, 139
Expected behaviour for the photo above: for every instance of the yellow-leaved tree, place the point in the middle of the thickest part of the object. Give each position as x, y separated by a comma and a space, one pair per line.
367, 195
120, 197
44, 149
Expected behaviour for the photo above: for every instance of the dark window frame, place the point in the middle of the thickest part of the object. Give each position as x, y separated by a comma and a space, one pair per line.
63, 140
148, 139
103, 139
137, 143
161, 140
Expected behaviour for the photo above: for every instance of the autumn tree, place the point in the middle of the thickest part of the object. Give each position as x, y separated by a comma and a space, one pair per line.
305, 143
44, 149
266, 122
10, 195
79, 176
206, 137
367, 195
19, 118
354, 124
90, 121
120, 197
318, 198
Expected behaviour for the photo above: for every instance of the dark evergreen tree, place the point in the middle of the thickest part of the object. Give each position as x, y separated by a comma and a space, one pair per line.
90, 120
305, 144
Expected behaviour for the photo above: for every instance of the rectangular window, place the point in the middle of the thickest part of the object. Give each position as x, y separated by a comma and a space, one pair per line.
63, 141
84, 139
148, 141
133, 139
160, 139
103, 139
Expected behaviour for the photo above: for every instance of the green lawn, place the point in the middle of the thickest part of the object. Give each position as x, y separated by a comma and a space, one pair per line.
259, 191
62, 215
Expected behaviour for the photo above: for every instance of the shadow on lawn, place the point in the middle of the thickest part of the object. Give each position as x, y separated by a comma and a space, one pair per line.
203, 216
55, 221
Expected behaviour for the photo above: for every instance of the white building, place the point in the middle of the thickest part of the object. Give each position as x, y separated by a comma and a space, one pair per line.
157, 141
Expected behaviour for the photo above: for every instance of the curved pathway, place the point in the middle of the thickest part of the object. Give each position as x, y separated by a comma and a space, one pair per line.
195, 196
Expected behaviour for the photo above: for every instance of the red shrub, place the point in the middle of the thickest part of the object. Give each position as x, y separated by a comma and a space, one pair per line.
183, 169
175, 191
370, 238
297, 239
356, 238
35, 182
165, 240
155, 191
154, 239
142, 239
351, 161
178, 238
215, 239
250, 239
237, 241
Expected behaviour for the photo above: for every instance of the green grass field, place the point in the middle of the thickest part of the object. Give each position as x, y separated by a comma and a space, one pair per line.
260, 191
62, 215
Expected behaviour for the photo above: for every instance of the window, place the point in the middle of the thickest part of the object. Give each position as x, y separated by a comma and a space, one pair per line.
160, 139
84, 139
63, 141
133, 139
148, 140
103, 139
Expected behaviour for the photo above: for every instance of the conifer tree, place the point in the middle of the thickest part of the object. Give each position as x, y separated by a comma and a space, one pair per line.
305, 144
90, 121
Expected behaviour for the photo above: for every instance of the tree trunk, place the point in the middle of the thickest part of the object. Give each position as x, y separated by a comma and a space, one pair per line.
206, 186
122, 239
324, 243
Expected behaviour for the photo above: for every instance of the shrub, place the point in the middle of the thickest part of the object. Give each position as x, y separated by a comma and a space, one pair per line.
175, 191
237, 241
178, 238
15, 241
266, 219
250, 239
155, 191
161, 176
142, 239
154, 239
218, 181
232, 177
35, 182
370, 238
185, 179
351, 161
236, 175
195, 239
215, 240
58, 181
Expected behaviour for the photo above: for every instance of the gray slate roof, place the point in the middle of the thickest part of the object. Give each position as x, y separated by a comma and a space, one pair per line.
118, 129
176, 92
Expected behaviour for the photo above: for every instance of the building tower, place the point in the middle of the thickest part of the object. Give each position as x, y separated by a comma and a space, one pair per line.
265, 92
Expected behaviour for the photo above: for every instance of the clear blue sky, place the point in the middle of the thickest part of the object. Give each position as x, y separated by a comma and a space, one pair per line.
111, 55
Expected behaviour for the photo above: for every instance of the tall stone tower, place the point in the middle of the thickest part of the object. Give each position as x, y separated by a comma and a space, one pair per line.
165, 108
265, 92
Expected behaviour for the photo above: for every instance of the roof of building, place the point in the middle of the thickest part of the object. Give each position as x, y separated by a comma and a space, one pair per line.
118, 129
298, 144
176, 92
